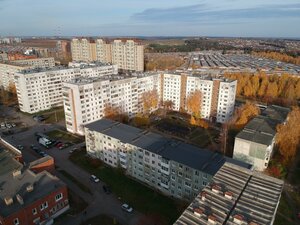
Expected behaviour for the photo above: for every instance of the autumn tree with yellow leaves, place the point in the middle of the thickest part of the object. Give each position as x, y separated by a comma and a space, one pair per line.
193, 103
150, 100
288, 136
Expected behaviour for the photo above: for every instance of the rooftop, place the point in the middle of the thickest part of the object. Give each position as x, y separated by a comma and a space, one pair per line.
262, 128
171, 149
235, 195
24, 189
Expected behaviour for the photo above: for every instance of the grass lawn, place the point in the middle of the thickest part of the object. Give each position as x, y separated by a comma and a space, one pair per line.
203, 137
102, 219
75, 181
64, 136
55, 117
77, 204
136, 194
284, 211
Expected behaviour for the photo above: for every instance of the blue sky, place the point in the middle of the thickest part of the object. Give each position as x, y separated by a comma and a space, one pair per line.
264, 18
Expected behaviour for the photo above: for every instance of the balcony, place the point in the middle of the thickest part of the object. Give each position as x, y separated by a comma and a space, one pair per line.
123, 154
166, 186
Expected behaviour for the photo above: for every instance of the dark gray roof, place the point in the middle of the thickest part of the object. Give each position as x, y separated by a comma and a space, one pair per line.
43, 184
186, 154
7, 162
262, 128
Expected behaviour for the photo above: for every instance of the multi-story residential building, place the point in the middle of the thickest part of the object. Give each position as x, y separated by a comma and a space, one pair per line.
128, 54
85, 99
235, 195
9, 68
173, 167
41, 89
255, 143
36, 63
29, 198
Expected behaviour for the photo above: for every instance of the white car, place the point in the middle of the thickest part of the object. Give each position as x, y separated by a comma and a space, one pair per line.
94, 179
127, 208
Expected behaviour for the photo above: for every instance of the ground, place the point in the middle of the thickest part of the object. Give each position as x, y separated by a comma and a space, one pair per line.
64, 136
131, 191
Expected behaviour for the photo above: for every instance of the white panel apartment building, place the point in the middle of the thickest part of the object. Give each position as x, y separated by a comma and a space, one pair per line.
9, 68
174, 168
41, 89
85, 99
128, 54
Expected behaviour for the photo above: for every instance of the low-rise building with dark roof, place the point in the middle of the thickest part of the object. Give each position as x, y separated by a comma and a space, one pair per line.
26, 197
171, 166
235, 195
255, 143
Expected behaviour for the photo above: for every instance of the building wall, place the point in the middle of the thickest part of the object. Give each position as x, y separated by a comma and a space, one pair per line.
254, 153
167, 176
38, 91
128, 55
7, 72
53, 209
47, 165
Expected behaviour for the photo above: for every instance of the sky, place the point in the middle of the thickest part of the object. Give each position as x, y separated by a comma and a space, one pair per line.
231, 18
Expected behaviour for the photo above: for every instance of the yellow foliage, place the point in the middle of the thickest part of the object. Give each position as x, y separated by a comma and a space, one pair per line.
193, 103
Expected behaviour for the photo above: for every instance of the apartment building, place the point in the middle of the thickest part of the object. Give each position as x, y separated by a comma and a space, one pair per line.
175, 168
85, 99
9, 68
41, 89
255, 143
127, 54
29, 198
36, 63
235, 195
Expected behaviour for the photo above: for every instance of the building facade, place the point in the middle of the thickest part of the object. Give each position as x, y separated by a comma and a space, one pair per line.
128, 54
175, 168
9, 68
29, 198
255, 143
85, 100
41, 89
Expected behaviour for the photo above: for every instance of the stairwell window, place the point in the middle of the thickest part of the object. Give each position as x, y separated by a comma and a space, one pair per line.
58, 197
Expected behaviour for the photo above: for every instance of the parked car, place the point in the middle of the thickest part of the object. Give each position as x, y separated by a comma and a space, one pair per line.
13, 125
43, 154
127, 208
106, 189
94, 179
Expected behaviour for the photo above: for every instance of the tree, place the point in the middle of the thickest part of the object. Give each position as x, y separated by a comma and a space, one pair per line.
169, 104
245, 113
151, 219
288, 135
111, 112
272, 90
193, 103
150, 100
141, 120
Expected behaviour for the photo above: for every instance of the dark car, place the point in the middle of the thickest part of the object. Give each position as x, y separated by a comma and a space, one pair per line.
106, 189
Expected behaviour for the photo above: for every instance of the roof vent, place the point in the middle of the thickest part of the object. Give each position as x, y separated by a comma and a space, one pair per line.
216, 188
20, 199
238, 219
253, 223
198, 212
8, 200
212, 219
228, 195
29, 188
16, 173
203, 195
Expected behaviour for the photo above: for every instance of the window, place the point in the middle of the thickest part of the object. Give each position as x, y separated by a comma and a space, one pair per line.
16, 221
58, 197
34, 211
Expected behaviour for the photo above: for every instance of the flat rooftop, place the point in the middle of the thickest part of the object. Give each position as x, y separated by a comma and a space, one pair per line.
262, 128
236, 195
171, 149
